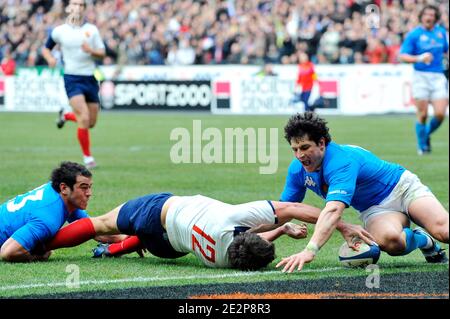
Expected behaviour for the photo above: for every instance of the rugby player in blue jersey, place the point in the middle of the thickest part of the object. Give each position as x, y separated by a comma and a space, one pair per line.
387, 196
29, 220
81, 44
425, 46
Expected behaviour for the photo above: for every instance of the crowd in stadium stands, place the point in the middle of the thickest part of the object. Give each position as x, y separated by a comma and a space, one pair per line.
172, 32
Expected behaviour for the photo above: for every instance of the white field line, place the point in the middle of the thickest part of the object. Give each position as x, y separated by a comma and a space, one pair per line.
160, 279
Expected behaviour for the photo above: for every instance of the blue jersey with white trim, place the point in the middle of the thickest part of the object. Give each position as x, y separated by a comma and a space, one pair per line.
35, 217
71, 38
421, 40
349, 174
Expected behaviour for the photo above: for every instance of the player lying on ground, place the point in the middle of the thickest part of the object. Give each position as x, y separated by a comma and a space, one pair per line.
29, 220
219, 234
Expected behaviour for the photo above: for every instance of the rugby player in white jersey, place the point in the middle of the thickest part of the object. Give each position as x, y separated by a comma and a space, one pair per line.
219, 234
81, 44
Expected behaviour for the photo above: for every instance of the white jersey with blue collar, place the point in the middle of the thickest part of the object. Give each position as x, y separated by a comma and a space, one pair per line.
206, 227
71, 38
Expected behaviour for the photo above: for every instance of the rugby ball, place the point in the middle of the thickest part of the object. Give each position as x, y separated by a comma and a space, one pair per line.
361, 257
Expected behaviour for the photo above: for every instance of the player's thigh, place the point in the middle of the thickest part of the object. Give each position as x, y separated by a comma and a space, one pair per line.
107, 224
429, 213
387, 226
421, 108
79, 106
93, 113
439, 95
440, 107
422, 86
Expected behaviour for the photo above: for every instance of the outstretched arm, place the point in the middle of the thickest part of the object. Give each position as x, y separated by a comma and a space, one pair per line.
286, 211
292, 230
326, 224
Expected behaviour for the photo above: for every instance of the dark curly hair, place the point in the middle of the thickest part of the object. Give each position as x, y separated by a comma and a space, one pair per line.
437, 13
248, 251
308, 124
67, 173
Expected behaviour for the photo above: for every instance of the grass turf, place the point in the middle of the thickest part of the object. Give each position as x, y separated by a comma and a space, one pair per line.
133, 151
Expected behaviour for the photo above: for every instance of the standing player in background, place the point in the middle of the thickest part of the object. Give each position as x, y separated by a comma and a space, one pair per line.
305, 80
80, 44
425, 46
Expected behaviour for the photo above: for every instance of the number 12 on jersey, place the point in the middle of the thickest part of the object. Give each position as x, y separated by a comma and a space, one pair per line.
196, 244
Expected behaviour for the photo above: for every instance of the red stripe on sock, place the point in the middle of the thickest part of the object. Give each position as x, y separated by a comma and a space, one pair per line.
83, 138
70, 116
72, 235
126, 246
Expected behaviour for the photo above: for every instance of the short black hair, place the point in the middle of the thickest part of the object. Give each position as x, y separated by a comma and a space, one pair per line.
67, 173
248, 251
437, 13
308, 123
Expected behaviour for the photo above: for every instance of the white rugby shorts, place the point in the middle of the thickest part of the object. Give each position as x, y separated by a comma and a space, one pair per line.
408, 189
429, 86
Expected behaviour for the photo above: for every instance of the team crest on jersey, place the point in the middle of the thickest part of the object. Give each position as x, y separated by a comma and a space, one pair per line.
87, 34
309, 182
423, 37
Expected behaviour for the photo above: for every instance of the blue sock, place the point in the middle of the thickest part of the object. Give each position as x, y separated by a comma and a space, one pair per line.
433, 125
413, 241
421, 134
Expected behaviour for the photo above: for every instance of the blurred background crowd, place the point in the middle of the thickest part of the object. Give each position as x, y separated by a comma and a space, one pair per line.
173, 32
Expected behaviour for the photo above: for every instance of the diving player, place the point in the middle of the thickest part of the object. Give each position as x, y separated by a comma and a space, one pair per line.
387, 195
219, 234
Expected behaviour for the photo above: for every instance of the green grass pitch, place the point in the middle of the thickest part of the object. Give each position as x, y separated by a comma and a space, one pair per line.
133, 153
